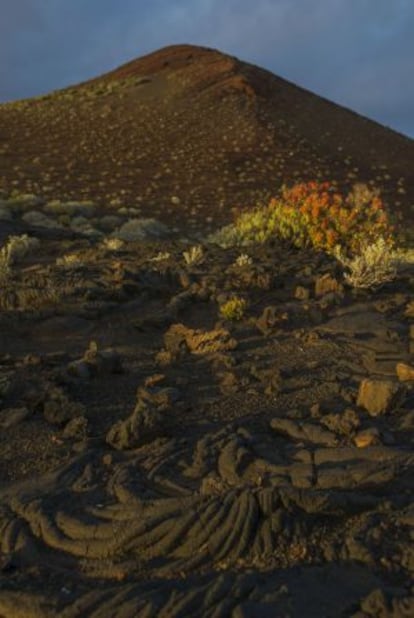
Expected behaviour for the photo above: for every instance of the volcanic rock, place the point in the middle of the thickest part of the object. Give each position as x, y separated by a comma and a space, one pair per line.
405, 372
378, 396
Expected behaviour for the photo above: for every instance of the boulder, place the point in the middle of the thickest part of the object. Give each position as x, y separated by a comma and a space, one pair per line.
405, 372
39, 219
378, 396
10, 417
302, 293
270, 319
108, 223
76, 427
303, 431
367, 437
142, 426
325, 284
141, 229
59, 409
179, 340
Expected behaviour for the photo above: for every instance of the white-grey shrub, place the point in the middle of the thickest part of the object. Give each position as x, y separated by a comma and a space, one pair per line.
372, 267
15, 249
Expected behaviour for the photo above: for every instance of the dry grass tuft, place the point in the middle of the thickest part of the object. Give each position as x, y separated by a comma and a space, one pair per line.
372, 267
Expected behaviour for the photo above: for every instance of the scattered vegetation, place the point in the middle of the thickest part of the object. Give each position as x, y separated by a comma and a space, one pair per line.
15, 249
4, 268
233, 309
194, 256
403, 257
161, 256
374, 265
70, 260
356, 229
113, 244
314, 215
244, 260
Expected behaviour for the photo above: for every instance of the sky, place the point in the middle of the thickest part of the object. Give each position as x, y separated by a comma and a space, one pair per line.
358, 53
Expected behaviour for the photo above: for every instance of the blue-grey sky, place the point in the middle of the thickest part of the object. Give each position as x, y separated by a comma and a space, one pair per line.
359, 53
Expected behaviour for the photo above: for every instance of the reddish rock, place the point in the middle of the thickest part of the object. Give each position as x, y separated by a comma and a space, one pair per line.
302, 293
367, 437
327, 284
378, 396
405, 372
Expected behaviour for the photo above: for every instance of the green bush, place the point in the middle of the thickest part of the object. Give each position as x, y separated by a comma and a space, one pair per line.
313, 215
233, 309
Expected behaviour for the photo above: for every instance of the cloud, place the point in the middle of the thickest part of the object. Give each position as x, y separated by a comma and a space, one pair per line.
358, 53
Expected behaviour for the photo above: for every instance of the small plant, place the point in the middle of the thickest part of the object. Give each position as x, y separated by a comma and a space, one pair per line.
403, 257
373, 266
113, 244
5, 269
70, 260
161, 256
16, 248
244, 260
194, 256
233, 309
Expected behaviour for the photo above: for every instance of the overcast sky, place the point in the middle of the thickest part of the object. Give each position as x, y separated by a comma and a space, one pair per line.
359, 53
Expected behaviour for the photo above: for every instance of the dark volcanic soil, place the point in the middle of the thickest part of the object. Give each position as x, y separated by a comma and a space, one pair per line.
156, 459
194, 124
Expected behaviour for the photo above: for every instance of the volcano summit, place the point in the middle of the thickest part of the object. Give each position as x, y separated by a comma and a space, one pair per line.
198, 125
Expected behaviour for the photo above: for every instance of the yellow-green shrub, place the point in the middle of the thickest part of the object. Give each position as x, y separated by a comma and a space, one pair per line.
313, 215
233, 309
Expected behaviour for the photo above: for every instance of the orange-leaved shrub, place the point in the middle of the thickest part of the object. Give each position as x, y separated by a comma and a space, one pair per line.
315, 214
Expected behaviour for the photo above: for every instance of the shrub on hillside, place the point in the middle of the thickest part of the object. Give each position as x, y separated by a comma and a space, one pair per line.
314, 215
233, 309
194, 256
374, 265
15, 249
